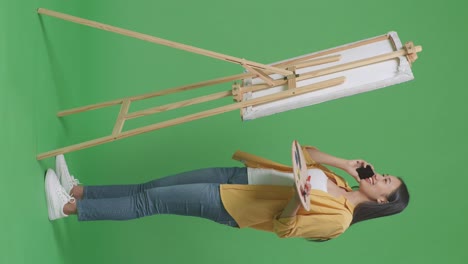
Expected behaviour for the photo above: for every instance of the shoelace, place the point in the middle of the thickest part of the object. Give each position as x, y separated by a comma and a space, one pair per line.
74, 180
65, 197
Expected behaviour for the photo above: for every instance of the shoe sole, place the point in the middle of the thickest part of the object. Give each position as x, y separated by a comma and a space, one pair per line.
61, 164
48, 190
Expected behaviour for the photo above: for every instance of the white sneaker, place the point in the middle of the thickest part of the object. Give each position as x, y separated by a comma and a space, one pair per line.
56, 195
67, 180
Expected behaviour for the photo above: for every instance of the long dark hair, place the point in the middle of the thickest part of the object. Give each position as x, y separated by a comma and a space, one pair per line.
397, 202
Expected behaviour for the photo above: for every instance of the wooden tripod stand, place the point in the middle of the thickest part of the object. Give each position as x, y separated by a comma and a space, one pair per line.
285, 72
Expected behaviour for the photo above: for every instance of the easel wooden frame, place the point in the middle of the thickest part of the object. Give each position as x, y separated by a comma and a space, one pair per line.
254, 69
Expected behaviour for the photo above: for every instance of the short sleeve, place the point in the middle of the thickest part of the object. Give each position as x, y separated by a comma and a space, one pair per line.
311, 163
312, 226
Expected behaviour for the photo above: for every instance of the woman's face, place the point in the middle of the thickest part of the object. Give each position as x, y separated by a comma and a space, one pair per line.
379, 187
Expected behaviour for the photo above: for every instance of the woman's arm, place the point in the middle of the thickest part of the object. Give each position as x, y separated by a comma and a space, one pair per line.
348, 166
327, 159
292, 207
316, 226
295, 203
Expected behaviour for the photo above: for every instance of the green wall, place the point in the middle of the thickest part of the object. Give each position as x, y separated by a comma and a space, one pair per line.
417, 129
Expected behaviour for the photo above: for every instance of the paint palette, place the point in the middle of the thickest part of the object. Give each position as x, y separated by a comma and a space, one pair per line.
301, 176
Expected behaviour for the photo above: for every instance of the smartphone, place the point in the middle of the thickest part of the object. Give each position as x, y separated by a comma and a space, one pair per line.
365, 172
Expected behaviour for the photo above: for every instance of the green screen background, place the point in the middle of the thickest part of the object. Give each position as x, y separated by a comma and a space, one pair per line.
416, 130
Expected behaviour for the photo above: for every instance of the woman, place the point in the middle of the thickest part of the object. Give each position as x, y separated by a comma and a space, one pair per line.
260, 196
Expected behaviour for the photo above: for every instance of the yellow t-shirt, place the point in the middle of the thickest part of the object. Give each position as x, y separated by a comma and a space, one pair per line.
258, 206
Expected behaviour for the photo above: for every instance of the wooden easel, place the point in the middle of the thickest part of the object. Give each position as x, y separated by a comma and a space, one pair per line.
287, 69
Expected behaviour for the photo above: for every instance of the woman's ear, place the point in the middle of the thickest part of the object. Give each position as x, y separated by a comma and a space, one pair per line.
382, 200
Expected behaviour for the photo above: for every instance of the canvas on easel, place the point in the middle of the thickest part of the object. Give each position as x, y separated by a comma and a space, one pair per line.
262, 89
366, 65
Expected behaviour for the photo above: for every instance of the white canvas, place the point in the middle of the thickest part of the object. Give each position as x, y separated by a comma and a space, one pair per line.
358, 80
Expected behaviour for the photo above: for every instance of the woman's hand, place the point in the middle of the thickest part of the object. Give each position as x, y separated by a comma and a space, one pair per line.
352, 165
305, 191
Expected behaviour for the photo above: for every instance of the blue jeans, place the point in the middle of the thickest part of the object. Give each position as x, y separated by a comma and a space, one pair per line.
195, 193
